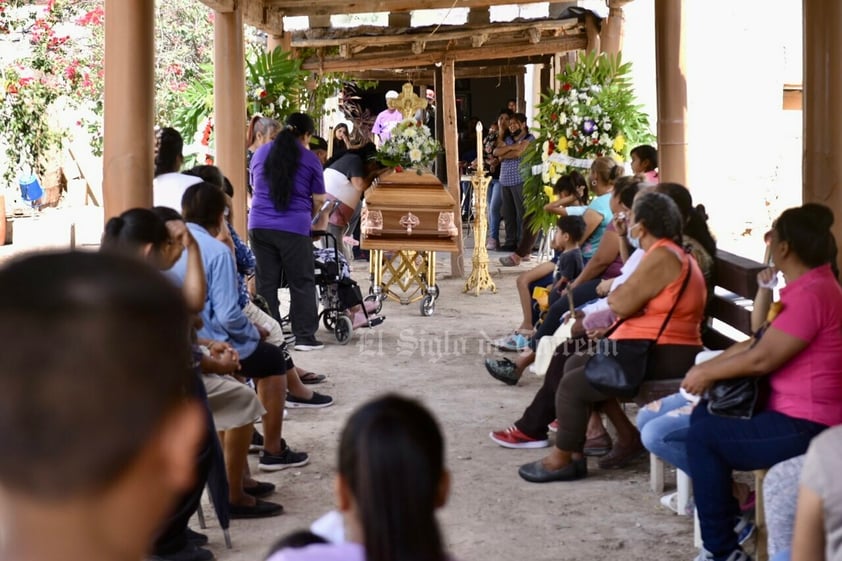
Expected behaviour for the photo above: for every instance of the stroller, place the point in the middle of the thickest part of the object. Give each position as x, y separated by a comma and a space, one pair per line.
338, 292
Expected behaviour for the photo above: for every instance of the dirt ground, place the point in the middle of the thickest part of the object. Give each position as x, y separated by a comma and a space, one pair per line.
492, 514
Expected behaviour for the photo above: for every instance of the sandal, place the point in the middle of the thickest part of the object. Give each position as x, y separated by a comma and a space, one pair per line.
312, 378
512, 260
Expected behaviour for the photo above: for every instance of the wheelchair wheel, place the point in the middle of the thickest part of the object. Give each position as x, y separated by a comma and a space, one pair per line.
428, 305
344, 330
327, 320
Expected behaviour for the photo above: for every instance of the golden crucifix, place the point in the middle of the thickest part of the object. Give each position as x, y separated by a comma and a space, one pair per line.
407, 102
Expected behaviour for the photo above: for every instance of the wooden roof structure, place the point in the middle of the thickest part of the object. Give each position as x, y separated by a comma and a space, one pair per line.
409, 47
268, 14
130, 85
402, 51
399, 46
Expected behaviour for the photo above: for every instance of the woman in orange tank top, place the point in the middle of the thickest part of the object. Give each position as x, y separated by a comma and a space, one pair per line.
643, 302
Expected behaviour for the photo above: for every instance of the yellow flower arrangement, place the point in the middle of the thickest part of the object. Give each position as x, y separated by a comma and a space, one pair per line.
619, 144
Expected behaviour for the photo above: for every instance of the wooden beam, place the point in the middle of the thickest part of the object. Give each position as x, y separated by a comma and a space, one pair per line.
479, 16
223, 6
403, 58
427, 75
451, 149
328, 7
307, 39
319, 21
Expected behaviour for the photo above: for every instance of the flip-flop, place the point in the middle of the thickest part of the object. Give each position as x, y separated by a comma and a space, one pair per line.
312, 378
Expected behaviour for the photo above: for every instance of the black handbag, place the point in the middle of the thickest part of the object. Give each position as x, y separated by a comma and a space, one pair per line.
618, 366
735, 398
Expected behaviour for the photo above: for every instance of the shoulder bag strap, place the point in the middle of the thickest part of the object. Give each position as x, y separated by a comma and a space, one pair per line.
678, 298
684, 283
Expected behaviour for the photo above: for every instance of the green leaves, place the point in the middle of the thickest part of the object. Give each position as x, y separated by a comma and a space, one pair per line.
593, 114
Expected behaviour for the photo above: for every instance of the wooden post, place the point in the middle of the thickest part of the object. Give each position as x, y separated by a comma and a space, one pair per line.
822, 115
451, 148
275, 41
611, 37
672, 90
520, 92
594, 45
441, 165
537, 88
229, 100
128, 151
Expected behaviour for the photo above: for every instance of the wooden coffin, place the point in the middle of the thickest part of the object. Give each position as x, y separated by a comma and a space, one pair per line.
405, 210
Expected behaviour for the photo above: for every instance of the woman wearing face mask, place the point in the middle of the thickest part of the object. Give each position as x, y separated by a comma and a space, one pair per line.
643, 303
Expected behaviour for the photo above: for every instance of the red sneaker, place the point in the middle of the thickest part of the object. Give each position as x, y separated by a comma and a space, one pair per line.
512, 437
553, 427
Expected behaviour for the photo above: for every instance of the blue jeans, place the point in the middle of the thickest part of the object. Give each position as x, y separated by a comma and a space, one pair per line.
664, 431
495, 207
717, 446
782, 555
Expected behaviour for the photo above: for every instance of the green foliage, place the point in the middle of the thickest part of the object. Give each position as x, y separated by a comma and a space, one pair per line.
275, 84
43, 73
593, 114
52, 67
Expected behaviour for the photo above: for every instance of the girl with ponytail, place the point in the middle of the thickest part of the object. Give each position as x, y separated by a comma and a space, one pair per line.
391, 480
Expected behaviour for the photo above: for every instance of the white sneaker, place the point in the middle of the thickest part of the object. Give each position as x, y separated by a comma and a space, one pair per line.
670, 501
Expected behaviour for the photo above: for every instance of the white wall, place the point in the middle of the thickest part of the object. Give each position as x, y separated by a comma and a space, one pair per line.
744, 150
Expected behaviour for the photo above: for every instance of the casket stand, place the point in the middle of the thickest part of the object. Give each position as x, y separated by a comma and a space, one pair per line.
407, 217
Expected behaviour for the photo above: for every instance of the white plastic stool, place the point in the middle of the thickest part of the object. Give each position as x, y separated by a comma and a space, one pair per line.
682, 482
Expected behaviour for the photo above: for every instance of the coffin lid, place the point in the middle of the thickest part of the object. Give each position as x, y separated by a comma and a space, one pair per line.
409, 190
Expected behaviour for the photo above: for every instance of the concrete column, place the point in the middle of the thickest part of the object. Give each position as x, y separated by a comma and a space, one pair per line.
672, 90
128, 151
822, 117
229, 102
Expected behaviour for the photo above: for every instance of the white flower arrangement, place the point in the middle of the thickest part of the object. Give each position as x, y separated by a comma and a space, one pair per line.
411, 145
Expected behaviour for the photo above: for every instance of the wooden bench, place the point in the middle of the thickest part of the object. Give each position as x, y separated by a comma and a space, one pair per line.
729, 311
735, 279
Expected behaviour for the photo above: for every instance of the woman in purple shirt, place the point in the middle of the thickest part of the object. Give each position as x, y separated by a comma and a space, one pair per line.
288, 191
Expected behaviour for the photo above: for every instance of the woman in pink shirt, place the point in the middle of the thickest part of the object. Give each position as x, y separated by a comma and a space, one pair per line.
800, 358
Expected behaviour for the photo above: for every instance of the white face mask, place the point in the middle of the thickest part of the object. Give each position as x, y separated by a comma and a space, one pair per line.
634, 242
